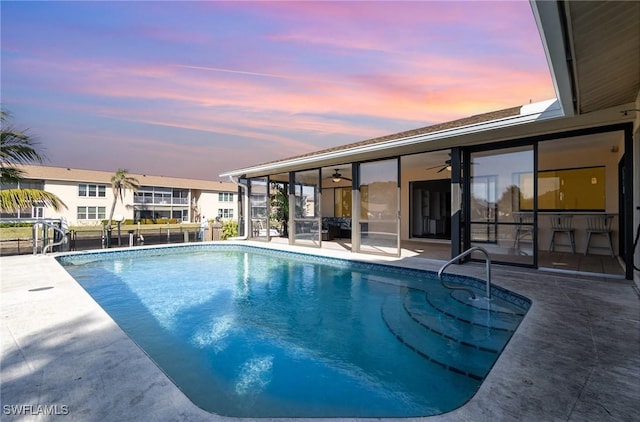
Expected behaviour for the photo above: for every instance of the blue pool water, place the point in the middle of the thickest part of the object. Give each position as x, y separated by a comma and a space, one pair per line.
249, 332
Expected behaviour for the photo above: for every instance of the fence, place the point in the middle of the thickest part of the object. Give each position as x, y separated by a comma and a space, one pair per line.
93, 239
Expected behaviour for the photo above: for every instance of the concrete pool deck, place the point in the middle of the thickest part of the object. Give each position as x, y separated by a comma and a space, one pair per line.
575, 356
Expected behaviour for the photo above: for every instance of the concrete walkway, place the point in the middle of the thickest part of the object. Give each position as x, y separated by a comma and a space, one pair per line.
575, 357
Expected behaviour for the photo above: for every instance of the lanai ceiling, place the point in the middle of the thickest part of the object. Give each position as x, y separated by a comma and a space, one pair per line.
604, 38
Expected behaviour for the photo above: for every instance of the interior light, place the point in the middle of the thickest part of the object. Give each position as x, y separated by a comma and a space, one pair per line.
594, 181
448, 168
337, 179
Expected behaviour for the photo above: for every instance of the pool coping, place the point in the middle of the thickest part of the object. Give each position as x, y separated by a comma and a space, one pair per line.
575, 356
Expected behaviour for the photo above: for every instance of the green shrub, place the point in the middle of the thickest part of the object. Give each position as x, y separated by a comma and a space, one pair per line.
7, 225
229, 229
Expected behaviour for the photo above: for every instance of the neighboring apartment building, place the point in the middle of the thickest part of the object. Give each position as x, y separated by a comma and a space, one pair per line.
89, 197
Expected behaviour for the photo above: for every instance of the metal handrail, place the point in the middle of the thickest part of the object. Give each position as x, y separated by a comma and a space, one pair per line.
462, 255
52, 244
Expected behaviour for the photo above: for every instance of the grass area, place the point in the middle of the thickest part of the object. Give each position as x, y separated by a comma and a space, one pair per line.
14, 233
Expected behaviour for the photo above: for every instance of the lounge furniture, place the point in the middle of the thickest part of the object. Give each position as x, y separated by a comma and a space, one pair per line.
562, 224
599, 225
343, 225
524, 228
330, 232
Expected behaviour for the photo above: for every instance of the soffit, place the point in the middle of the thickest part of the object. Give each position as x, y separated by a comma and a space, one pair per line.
605, 39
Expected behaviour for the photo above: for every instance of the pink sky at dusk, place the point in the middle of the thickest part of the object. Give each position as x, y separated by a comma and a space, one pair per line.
192, 89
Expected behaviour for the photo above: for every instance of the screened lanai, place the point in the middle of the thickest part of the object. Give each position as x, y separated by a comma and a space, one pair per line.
507, 197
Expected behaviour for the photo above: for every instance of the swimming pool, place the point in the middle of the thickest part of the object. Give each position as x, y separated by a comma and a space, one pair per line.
251, 332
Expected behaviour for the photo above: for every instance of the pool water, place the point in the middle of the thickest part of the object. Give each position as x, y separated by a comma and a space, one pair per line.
249, 332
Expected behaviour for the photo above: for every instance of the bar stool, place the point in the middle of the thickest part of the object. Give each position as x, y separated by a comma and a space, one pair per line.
524, 227
599, 224
562, 224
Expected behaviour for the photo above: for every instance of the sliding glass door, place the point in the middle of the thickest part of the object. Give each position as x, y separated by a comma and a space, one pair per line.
378, 199
307, 221
259, 208
501, 206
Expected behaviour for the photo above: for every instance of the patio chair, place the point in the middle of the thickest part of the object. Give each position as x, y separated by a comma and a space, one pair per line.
524, 228
562, 224
599, 225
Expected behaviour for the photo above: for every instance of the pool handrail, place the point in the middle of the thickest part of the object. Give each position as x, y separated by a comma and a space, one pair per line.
51, 245
457, 258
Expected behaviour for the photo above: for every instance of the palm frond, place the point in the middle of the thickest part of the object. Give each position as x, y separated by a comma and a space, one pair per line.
17, 148
10, 175
12, 200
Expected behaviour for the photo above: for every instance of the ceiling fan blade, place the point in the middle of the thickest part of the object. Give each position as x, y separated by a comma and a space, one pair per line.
442, 169
431, 168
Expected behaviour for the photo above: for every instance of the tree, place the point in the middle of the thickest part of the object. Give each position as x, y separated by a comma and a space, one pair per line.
120, 182
18, 148
280, 206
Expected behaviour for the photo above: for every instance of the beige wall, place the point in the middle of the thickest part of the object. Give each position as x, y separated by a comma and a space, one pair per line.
68, 192
209, 204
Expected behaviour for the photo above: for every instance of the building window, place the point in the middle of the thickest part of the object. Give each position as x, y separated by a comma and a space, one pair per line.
91, 213
225, 212
92, 191
342, 204
225, 197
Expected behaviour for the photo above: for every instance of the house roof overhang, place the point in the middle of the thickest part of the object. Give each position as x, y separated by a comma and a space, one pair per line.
430, 138
593, 51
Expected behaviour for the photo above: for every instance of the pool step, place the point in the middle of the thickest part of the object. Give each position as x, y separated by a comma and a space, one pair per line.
473, 335
497, 314
453, 355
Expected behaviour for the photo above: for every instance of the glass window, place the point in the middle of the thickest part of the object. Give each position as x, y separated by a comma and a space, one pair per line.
91, 213
342, 204
379, 207
225, 196
225, 213
581, 189
499, 218
259, 205
88, 190
307, 222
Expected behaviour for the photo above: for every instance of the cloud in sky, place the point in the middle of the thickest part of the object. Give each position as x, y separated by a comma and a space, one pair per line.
191, 89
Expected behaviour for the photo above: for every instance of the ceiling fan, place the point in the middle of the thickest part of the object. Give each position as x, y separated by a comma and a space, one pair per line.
337, 177
447, 166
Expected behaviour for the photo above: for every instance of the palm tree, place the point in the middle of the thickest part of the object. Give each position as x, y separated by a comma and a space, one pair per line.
120, 182
280, 206
18, 148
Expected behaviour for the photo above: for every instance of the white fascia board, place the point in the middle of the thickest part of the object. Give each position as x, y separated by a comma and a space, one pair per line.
528, 113
549, 23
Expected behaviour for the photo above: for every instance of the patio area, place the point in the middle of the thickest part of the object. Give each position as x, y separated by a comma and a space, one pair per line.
575, 357
592, 265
